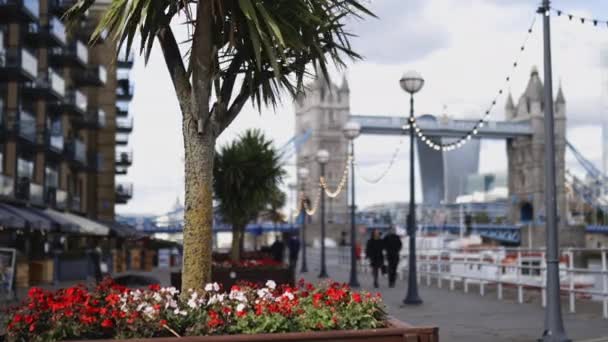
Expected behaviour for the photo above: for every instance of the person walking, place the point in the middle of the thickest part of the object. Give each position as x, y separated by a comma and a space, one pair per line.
392, 245
373, 251
294, 249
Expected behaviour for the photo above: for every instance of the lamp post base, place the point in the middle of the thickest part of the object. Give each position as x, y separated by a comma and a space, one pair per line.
412, 299
323, 275
555, 338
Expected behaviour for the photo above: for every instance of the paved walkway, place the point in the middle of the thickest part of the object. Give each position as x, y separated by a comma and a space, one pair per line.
468, 316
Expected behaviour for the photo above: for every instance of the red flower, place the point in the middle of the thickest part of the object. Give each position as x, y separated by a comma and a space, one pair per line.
32, 327
162, 322
154, 287
356, 298
107, 323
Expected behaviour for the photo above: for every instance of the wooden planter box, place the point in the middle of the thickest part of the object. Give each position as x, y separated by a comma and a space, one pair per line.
229, 276
41, 271
396, 332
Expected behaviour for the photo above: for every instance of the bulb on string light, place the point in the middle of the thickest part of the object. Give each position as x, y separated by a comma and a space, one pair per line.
468, 137
582, 20
480, 124
559, 13
475, 131
594, 22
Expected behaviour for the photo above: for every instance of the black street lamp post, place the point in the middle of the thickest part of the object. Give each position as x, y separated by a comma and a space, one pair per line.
412, 82
303, 176
351, 131
554, 325
322, 159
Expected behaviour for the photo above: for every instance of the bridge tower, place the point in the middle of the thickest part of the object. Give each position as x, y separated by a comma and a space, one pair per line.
526, 165
324, 108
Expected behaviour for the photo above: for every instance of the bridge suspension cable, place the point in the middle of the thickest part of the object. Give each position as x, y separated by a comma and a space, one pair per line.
475, 130
580, 19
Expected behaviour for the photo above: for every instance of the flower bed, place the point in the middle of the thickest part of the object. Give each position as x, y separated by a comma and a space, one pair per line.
115, 312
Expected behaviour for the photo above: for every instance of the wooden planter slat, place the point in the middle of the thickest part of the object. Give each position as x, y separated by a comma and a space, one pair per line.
396, 332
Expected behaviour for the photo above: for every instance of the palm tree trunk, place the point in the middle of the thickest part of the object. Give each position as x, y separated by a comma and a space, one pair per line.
198, 217
237, 238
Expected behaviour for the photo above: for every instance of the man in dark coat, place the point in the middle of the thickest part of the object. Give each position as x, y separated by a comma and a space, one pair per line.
373, 251
392, 245
278, 250
294, 248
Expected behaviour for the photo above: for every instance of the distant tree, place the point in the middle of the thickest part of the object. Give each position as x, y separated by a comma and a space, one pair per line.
247, 173
238, 50
273, 211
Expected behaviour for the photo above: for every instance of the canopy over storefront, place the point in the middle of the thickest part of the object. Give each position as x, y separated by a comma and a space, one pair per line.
85, 225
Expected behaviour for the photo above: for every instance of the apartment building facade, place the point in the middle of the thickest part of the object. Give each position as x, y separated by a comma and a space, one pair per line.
64, 113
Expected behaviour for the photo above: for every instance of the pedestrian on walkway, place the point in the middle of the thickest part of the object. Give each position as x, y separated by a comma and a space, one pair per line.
392, 245
294, 248
373, 251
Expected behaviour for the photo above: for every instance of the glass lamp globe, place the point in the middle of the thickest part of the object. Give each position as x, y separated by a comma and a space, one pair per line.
411, 82
322, 156
351, 130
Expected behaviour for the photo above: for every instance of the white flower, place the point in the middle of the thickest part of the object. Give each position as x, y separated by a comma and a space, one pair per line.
209, 287
289, 295
192, 303
180, 312
216, 299
240, 307
157, 297
271, 284
216, 287
149, 311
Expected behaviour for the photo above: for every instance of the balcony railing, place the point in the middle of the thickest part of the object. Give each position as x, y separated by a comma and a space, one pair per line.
77, 150
124, 158
7, 186
122, 139
74, 53
124, 89
56, 142
30, 191
124, 125
96, 75
17, 64
36, 194
61, 199
122, 110
48, 84
52, 34
125, 60
75, 203
77, 100
24, 9
27, 126
124, 192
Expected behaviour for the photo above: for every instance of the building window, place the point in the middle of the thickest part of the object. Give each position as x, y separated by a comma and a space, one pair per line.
52, 177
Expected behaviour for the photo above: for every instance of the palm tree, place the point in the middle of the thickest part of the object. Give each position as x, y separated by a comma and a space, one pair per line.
237, 50
247, 173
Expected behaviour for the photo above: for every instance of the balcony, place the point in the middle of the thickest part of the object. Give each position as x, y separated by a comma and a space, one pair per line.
93, 118
49, 85
53, 34
61, 199
124, 192
86, 29
29, 191
95, 76
122, 110
17, 64
26, 126
55, 142
75, 102
121, 170
74, 203
75, 54
7, 186
124, 89
122, 139
124, 158
19, 10
124, 60
124, 125
77, 151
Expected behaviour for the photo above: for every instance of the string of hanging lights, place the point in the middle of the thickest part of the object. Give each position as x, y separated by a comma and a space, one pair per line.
341, 184
438, 146
392, 161
577, 18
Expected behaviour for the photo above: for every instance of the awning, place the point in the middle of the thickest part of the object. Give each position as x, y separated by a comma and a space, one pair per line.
33, 220
11, 220
125, 231
62, 225
86, 226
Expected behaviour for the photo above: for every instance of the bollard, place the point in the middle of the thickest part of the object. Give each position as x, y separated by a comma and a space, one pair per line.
544, 280
605, 283
570, 274
450, 270
465, 283
427, 267
498, 282
439, 261
520, 288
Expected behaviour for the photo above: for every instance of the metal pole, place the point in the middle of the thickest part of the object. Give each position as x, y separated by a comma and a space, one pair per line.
323, 273
304, 268
554, 325
353, 232
412, 296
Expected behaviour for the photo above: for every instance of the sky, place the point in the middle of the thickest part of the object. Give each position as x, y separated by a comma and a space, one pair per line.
464, 49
